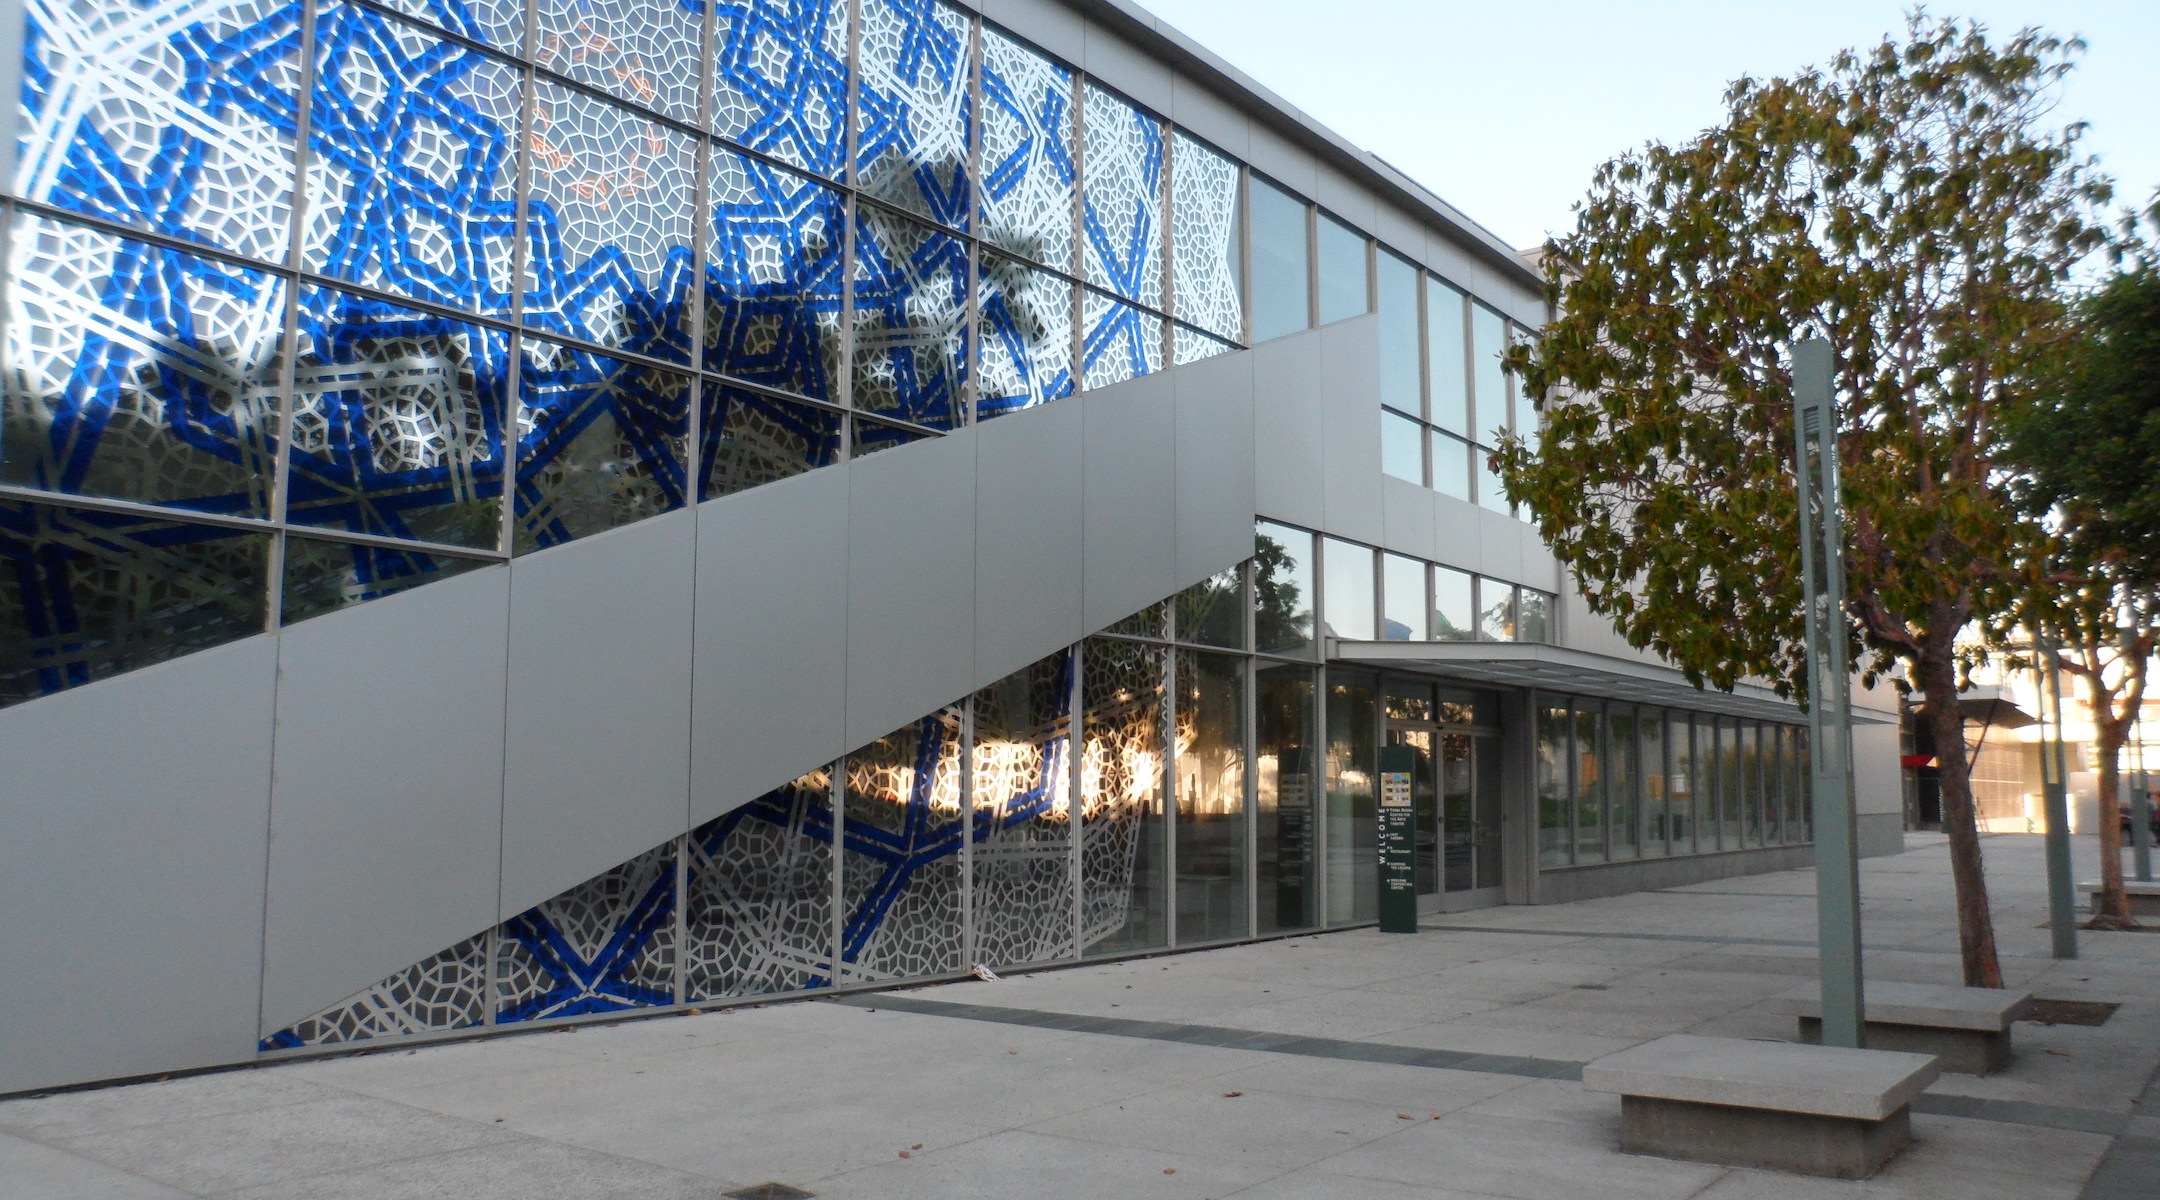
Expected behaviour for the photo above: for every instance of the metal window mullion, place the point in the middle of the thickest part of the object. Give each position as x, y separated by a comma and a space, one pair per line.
1251, 715
1316, 793
969, 958
1242, 204
289, 331
1075, 806
1167, 791
1312, 266
851, 215
681, 966
1165, 334
836, 796
1077, 263
971, 371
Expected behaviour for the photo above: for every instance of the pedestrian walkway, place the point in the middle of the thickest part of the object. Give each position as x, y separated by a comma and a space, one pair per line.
1342, 1066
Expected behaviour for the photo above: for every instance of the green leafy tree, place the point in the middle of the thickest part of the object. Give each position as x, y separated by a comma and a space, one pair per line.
2088, 458
1907, 204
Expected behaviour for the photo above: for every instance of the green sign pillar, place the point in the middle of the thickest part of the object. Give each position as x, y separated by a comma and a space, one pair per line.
1397, 838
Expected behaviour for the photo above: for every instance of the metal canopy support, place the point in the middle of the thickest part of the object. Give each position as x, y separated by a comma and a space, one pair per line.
2055, 777
1822, 564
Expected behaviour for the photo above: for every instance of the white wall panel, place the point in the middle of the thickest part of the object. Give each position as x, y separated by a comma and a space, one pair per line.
386, 821
1350, 415
1029, 536
1215, 489
597, 760
911, 584
1129, 436
132, 836
1289, 430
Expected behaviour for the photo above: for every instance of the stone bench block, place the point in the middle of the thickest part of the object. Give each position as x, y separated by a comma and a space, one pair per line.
2144, 897
1966, 1029
1818, 1110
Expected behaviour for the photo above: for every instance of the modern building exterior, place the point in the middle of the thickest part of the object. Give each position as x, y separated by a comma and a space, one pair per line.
521, 511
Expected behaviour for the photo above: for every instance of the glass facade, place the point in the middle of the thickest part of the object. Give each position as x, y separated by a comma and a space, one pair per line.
1372, 595
1617, 781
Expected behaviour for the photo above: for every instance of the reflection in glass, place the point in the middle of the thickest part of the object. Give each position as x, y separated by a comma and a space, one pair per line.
1402, 599
647, 54
1023, 853
1496, 617
1488, 342
1191, 345
1399, 350
758, 914
1451, 465
1124, 839
176, 405
751, 438
1027, 157
1282, 588
1353, 886
910, 319
1534, 619
1622, 776
1121, 342
1027, 338
1280, 303
1342, 271
1592, 759
1656, 785
602, 442
607, 945
1491, 494
781, 79
85, 595
1409, 700
912, 119
1150, 622
872, 436
1122, 193
1287, 789
615, 192
1348, 608
1211, 869
900, 874
1454, 605
397, 424
1684, 782
1212, 611
1204, 239
1555, 787
1402, 447
772, 277
1450, 365
323, 576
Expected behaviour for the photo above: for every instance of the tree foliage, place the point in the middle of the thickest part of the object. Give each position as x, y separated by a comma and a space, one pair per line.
1905, 203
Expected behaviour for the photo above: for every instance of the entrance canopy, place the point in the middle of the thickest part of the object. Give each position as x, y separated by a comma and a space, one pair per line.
1575, 672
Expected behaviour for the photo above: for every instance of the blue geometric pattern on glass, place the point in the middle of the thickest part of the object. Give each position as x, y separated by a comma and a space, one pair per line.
1027, 153
1027, 337
603, 946
643, 51
1122, 342
602, 442
497, 23
910, 319
773, 276
1122, 188
782, 80
913, 119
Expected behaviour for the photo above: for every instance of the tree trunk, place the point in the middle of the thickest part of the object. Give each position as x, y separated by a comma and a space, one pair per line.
1976, 925
2112, 910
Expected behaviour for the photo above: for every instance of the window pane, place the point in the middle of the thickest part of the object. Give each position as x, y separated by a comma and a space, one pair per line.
910, 319
1621, 778
759, 907
1683, 783
97, 404
1403, 581
1284, 779
1347, 608
750, 438
1352, 839
1488, 341
1402, 447
867, 437
1451, 465
643, 54
1656, 784
1023, 903
1280, 303
1454, 605
900, 863
1342, 271
85, 595
1283, 588
1123, 194
1123, 852
1027, 337
1027, 158
602, 442
1204, 238
1527, 419
1399, 355
1555, 833
324, 576
1490, 494
1210, 797
1589, 784
1534, 619
1122, 342
1191, 345
1212, 611
782, 79
1496, 616
1450, 365
772, 277
912, 122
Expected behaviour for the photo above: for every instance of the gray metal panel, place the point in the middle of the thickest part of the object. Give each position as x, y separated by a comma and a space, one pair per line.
1407, 509
1269, 153
1539, 568
1130, 459
1458, 533
1215, 489
131, 870
1028, 537
1349, 201
911, 584
1499, 546
1399, 232
386, 817
1208, 117
1350, 406
771, 629
597, 745
1055, 27
1123, 68
1288, 430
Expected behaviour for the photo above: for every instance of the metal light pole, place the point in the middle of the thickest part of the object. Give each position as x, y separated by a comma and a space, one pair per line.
1822, 565
2055, 779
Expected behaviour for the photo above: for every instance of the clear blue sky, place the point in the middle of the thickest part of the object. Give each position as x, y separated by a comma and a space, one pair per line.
1505, 107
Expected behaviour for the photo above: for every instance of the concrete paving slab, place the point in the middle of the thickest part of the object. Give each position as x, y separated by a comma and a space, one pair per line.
29, 1169
1019, 1163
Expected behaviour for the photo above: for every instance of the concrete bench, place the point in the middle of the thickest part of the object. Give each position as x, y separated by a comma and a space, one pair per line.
1820, 1110
2144, 897
1966, 1029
